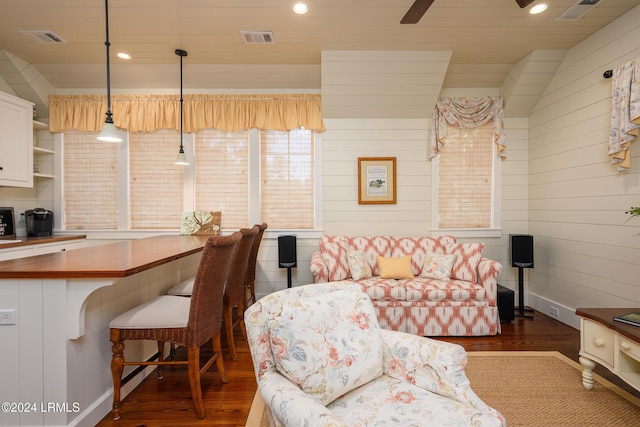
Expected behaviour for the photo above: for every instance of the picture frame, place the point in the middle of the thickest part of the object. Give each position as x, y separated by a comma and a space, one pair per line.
201, 223
7, 223
376, 180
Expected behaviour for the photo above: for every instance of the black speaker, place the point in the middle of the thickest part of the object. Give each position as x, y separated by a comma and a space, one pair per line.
287, 256
506, 304
521, 253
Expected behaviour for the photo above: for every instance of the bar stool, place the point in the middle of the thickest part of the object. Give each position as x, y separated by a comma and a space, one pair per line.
189, 322
251, 266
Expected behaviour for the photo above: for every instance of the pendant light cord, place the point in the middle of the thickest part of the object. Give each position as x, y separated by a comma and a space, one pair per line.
107, 44
181, 53
181, 106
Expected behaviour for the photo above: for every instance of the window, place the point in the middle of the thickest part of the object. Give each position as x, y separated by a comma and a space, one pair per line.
222, 175
464, 183
251, 176
90, 182
287, 175
155, 182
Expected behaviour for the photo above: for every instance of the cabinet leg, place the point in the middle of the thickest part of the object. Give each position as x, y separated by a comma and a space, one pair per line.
587, 372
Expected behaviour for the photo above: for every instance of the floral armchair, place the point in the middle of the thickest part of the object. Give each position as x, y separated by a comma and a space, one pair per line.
321, 359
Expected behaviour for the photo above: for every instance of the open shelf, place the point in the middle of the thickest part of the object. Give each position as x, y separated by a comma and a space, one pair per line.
39, 150
40, 125
43, 175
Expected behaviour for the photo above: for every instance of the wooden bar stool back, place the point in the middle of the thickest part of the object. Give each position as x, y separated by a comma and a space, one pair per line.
234, 291
250, 279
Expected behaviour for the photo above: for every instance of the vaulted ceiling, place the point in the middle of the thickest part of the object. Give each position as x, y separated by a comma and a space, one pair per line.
487, 40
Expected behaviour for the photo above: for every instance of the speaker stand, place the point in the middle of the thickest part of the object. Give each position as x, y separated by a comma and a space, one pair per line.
288, 277
521, 308
288, 266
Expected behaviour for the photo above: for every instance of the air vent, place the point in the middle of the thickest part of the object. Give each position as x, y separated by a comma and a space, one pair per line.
257, 37
578, 10
43, 36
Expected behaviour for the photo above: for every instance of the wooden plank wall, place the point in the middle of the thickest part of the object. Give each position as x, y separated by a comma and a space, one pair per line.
586, 256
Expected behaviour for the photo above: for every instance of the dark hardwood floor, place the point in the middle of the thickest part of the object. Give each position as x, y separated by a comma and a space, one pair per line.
167, 402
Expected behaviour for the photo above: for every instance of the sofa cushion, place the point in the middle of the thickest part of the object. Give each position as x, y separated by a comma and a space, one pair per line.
395, 268
437, 266
334, 254
373, 247
422, 289
325, 350
393, 402
418, 247
468, 257
358, 265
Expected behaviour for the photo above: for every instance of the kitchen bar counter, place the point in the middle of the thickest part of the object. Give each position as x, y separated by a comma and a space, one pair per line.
56, 310
111, 260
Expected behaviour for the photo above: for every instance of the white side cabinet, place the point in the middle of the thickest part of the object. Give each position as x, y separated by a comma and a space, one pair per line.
16, 141
616, 352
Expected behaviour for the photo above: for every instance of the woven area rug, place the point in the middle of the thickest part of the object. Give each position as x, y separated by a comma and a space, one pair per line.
534, 389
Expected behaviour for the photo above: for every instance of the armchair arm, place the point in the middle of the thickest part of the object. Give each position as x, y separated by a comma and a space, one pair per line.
436, 366
291, 406
488, 271
319, 269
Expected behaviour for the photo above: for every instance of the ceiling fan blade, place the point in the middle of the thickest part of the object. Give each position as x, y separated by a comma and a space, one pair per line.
524, 3
416, 11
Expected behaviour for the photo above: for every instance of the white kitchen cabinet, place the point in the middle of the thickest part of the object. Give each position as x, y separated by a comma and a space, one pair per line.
30, 246
16, 141
59, 247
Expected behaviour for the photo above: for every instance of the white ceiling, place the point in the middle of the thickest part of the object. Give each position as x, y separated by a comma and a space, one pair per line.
487, 37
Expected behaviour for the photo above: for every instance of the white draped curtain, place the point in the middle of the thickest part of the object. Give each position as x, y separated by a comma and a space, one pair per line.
467, 113
625, 113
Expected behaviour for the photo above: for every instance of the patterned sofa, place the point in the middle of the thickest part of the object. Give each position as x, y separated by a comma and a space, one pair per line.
435, 302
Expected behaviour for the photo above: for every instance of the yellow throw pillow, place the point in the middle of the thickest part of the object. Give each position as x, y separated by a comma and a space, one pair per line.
395, 268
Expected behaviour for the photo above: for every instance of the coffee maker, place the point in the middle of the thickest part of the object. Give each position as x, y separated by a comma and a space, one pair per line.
39, 222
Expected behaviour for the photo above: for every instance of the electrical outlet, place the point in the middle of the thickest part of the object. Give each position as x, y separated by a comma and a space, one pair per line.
554, 311
7, 317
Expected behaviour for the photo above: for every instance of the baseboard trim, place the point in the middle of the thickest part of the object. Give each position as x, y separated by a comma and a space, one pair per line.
97, 410
552, 309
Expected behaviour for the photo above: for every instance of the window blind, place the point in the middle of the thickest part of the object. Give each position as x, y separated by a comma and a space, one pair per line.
466, 178
222, 174
90, 182
156, 183
287, 179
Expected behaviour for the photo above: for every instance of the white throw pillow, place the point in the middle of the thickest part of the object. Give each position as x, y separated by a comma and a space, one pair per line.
327, 345
437, 266
358, 265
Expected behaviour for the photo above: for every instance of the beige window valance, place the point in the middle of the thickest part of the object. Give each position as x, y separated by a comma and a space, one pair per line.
146, 113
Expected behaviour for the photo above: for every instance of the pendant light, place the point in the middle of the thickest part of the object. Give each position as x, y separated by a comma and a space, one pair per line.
109, 132
181, 159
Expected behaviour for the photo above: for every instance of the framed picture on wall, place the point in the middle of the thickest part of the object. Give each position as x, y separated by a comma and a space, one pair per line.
376, 180
201, 223
7, 224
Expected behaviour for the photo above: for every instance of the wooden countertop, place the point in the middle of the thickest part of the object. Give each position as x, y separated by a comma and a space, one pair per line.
28, 241
120, 259
605, 317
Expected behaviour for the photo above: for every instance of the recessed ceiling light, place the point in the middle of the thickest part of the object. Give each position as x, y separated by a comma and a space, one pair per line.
539, 8
123, 55
300, 8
